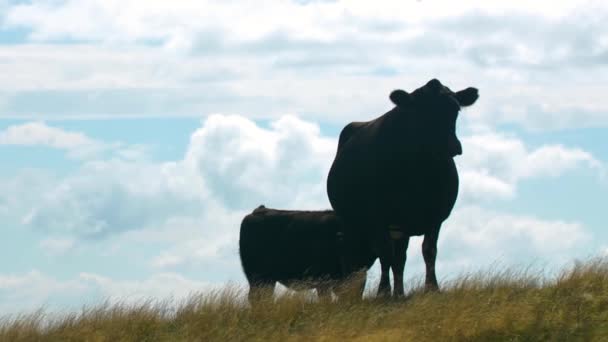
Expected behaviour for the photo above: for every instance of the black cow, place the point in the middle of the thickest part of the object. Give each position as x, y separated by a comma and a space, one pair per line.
398, 171
299, 248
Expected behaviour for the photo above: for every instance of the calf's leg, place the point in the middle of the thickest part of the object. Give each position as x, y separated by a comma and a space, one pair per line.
324, 292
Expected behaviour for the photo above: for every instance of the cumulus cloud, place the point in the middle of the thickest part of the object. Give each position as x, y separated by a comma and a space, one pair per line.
230, 160
217, 253
481, 231
559, 30
106, 197
494, 163
76, 144
245, 165
40, 134
552, 160
20, 190
140, 20
212, 242
475, 238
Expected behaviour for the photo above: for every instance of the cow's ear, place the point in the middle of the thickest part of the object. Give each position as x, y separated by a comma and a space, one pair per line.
467, 96
400, 97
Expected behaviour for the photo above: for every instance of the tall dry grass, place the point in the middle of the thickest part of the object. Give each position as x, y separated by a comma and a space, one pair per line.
508, 304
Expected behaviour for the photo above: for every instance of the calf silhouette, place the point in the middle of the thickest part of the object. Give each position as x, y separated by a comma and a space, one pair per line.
299, 249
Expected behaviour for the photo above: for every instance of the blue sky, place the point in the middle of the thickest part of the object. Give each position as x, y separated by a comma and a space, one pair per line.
135, 135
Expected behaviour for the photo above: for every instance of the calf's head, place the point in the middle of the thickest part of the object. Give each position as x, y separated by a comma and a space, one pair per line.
429, 116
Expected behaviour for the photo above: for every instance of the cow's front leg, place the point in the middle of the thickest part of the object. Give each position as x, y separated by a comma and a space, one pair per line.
429, 252
384, 250
400, 244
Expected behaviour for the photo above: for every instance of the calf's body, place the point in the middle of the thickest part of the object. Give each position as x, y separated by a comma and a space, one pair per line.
311, 249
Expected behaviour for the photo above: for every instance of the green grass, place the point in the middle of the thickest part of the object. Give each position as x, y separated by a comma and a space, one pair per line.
500, 305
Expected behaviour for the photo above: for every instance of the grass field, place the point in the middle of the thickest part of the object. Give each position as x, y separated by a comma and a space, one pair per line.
513, 305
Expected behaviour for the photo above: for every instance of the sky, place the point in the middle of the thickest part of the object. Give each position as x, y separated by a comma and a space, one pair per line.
135, 135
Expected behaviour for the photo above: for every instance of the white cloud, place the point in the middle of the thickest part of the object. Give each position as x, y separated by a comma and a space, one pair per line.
86, 66
475, 238
19, 191
245, 165
76, 144
230, 162
106, 197
39, 134
486, 232
207, 244
335, 61
479, 184
551, 102
553, 160
133, 20
221, 248
493, 163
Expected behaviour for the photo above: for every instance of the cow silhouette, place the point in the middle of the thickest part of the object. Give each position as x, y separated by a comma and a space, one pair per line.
395, 176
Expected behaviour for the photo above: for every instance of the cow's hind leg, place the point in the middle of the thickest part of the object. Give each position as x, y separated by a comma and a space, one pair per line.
429, 252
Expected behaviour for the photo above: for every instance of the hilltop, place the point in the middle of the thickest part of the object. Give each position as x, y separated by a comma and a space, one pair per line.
501, 305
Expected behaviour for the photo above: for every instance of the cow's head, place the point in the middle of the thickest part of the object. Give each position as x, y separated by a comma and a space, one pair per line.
430, 114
